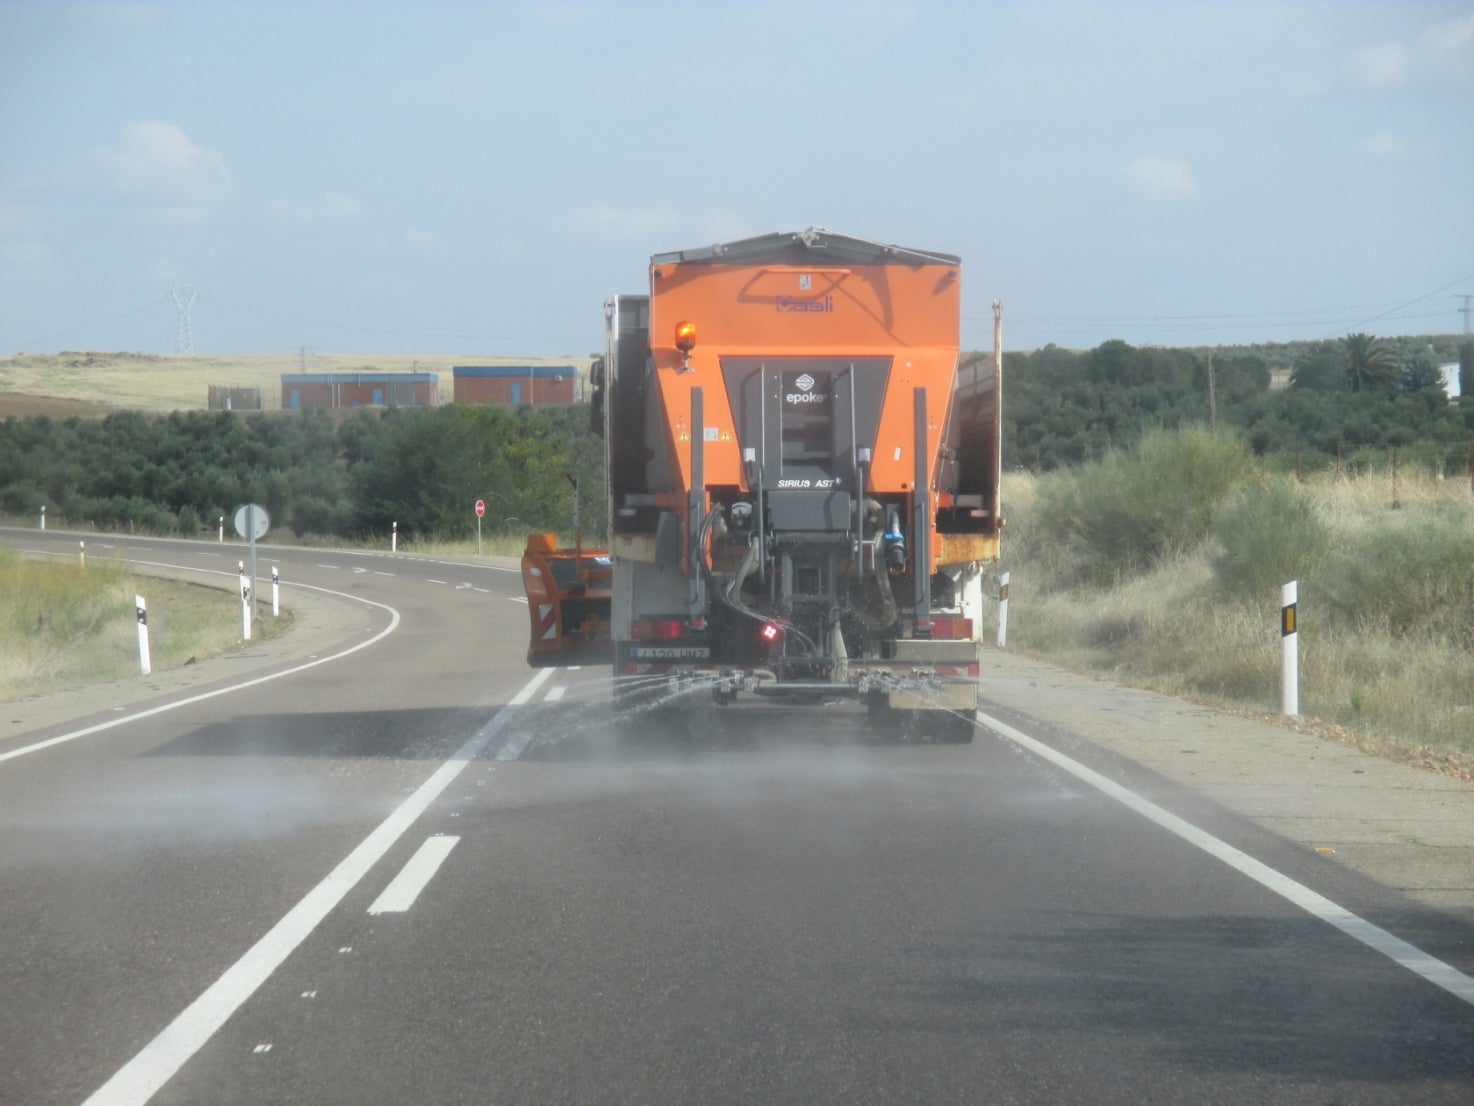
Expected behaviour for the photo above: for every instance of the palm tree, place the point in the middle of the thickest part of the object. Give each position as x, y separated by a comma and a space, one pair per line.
1370, 367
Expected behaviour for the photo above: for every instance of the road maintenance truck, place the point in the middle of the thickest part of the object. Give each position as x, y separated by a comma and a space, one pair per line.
803, 486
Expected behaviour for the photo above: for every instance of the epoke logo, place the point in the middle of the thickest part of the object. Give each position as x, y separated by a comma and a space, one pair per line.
805, 394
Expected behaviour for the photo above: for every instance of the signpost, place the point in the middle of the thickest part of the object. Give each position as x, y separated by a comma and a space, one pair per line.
480, 510
252, 522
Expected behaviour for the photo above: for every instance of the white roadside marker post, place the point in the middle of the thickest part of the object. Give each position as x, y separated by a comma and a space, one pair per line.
1003, 610
394, 539
245, 602
82, 553
43, 516
275, 593
1290, 650
222, 529
145, 664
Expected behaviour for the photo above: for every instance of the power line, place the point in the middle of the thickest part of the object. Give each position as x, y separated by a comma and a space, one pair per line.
151, 306
1399, 307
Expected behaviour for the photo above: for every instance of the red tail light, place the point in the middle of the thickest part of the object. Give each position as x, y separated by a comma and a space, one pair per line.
656, 629
959, 628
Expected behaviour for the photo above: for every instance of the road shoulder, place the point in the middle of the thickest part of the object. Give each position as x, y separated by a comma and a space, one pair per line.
1407, 828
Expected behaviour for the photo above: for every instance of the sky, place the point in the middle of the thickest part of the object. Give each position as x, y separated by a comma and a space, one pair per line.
476, 178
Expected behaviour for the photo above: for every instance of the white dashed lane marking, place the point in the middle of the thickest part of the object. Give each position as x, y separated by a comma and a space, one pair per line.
402, 891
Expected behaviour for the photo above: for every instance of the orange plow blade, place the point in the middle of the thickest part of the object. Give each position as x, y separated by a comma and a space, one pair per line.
568, 596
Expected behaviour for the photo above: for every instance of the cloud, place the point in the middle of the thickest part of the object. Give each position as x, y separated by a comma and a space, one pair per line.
617, 222
1161, 178
720, 226
163, 176
1382, 147
332, 208
653, 224
26, 257
423, 244
1442, 54
1382, 66
1447, 50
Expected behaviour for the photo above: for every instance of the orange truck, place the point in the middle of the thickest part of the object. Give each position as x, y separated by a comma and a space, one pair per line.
803, 486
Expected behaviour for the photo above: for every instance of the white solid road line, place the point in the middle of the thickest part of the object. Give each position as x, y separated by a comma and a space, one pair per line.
141, 1077
402, 891
555, 693
1317, 905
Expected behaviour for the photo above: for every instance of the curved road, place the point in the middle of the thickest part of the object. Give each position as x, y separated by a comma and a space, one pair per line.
422, 873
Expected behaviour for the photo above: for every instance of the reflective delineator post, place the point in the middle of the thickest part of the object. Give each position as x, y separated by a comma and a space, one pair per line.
43, 516
1003, 610
222, 529
245, 603
1290, 650
82, 553
275, 592
144, 663
394, 539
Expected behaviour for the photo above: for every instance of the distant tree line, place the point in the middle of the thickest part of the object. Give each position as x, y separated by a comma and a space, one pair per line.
422, 468
1351, 395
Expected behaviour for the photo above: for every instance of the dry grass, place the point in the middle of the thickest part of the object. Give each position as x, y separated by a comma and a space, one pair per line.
1384, 664
66, 625
145, 382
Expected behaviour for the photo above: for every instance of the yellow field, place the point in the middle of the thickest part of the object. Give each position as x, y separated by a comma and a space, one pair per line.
147, 382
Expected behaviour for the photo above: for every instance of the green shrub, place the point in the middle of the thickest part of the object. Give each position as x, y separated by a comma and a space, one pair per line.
1268, 534
1127, 512
1412, 572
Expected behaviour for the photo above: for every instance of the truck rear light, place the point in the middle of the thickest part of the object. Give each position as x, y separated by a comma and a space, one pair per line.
770, 632
951, 628
656, 629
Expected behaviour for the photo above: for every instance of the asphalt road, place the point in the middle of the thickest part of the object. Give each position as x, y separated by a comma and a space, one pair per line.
421, 873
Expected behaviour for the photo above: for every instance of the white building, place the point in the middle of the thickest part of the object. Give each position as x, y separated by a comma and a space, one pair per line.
1450, 379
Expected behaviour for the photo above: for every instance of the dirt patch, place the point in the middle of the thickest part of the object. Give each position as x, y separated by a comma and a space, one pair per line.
22, 405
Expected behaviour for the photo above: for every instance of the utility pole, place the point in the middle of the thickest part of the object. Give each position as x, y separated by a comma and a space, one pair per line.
1467, 310
1212, 402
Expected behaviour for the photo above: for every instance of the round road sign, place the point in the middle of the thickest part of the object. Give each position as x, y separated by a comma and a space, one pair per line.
252, 513
480, 507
